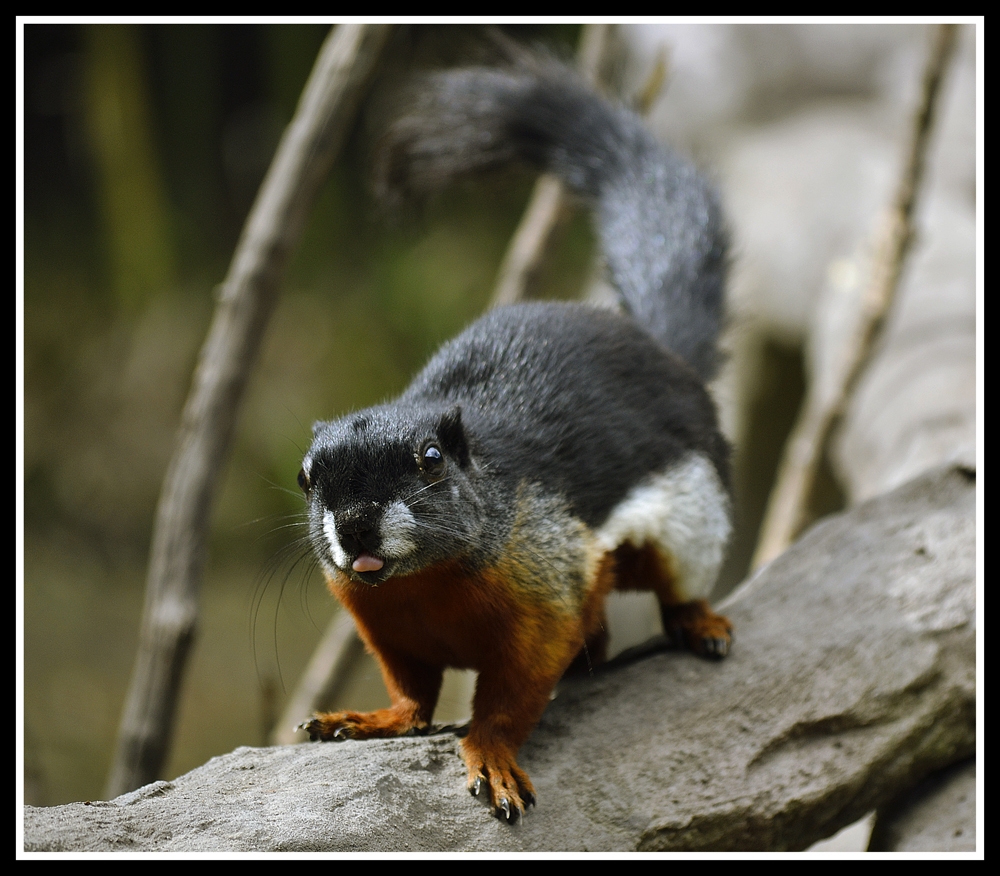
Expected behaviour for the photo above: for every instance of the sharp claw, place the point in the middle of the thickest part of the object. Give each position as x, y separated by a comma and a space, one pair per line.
720, 647
505, 806
476, 786
529, 799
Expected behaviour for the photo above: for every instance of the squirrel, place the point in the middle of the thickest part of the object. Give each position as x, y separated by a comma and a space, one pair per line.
547, 455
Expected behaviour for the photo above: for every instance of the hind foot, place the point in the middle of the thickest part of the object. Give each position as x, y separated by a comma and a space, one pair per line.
695, 626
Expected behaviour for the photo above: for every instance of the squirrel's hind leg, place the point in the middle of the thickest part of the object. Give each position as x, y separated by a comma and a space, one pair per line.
695, 626
688, 623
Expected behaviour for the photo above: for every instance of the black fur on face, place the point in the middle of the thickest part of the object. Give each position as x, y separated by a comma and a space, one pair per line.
392, 483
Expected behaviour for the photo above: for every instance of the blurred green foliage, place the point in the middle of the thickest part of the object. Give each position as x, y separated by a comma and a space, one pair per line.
144, 146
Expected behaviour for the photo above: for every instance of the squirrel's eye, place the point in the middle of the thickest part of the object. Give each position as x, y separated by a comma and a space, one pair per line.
432, 461
303, 480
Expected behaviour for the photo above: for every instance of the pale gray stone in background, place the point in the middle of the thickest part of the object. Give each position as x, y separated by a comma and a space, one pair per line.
915, 405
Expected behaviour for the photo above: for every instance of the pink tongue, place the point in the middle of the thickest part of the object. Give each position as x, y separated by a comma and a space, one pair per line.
367, 563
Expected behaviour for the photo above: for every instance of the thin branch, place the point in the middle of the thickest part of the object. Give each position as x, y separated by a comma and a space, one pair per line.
532, 241
549, 205
789, 502
245, 302
330, 664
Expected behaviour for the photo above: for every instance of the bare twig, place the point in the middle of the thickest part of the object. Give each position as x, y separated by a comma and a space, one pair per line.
655, 82
532, 240
329, 665
789, 502
245, 302
549, 204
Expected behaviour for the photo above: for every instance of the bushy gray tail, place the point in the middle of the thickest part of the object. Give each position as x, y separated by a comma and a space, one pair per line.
659, 220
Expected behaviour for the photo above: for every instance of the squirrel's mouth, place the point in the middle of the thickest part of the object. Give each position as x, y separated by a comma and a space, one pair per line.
370, 568
366, 562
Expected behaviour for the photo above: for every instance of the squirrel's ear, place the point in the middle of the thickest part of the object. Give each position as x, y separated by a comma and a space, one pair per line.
452, 434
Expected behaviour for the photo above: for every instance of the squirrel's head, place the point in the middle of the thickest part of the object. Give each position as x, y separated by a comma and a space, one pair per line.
389, 492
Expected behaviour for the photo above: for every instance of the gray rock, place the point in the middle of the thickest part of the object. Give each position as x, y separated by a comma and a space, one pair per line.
939, 815
852, 678
724, 75
801, 192
915, 405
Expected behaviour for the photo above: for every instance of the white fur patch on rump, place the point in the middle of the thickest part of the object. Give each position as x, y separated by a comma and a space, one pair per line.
685, 512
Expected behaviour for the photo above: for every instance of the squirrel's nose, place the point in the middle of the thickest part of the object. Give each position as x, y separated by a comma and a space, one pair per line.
358, 531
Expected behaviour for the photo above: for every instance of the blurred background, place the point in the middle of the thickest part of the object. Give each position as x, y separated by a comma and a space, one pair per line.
144, 146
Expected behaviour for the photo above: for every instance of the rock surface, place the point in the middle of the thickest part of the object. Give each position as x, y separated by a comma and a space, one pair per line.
852, 677
939, 815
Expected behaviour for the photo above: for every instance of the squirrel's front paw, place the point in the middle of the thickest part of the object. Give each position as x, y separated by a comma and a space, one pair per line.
327, 728
338, 726
508, 790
